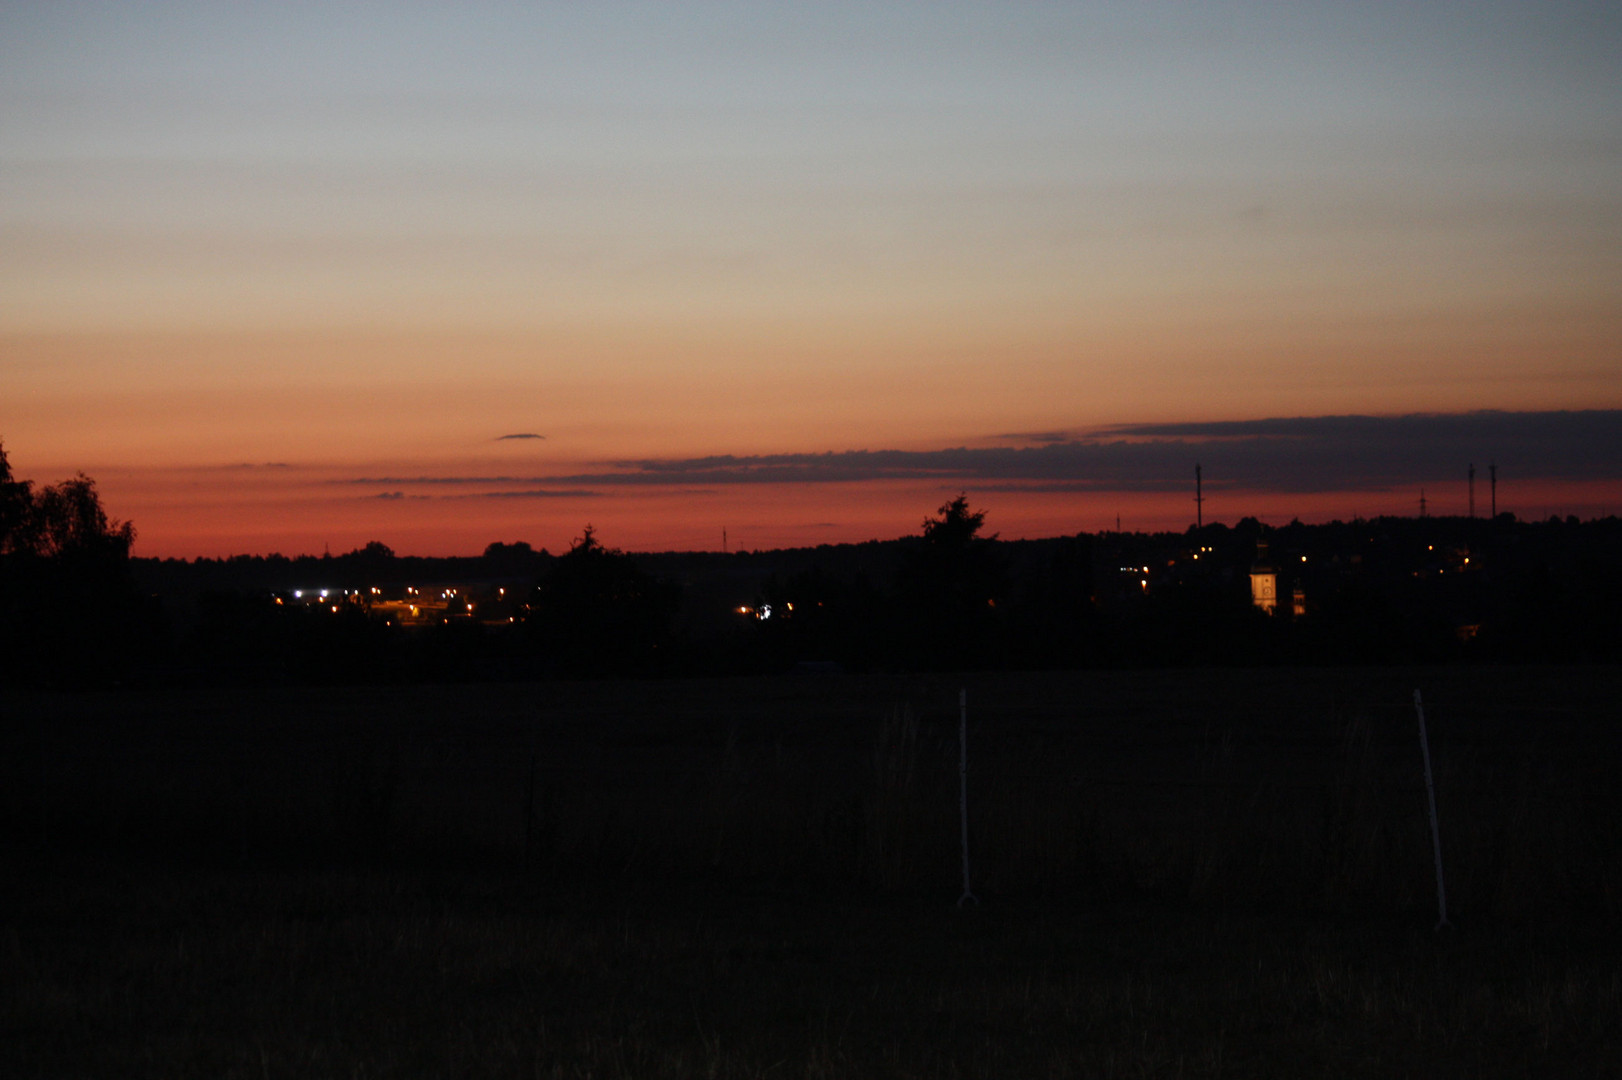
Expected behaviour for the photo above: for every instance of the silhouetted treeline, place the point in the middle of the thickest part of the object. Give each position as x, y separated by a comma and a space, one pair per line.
374, 564
1386, 591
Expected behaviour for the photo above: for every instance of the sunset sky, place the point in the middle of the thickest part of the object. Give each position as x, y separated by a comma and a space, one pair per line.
289, 276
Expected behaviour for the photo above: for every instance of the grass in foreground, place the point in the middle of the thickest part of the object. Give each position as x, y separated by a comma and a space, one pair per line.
119, 971
1211, 873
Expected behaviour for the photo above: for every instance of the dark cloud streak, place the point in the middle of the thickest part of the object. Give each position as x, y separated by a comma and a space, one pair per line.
1297, 455
1288, 455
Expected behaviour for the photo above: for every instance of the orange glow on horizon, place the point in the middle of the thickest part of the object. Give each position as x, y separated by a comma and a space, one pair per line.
231, 517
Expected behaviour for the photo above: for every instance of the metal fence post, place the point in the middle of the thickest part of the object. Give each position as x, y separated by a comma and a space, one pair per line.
968, 897
1436, 832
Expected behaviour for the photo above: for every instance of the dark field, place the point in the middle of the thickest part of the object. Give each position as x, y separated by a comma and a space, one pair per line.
1180, 873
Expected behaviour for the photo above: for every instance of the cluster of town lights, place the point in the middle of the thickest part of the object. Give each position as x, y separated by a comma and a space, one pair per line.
763, 612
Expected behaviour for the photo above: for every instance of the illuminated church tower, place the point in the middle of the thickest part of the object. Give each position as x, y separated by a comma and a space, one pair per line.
1263, 581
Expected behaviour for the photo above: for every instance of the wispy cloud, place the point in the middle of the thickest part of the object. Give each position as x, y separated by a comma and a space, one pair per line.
521, 435
457, 481
1036, 437
527, 493
454, 480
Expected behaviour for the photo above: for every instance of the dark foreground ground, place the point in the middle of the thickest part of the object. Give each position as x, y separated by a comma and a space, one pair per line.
1179, 874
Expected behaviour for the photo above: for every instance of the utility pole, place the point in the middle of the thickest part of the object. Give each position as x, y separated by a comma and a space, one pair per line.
723, 541
1472, 489
1492, 473
1421, 502
1199, 500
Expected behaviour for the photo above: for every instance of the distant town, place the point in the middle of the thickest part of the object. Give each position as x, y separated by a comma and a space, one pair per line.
1387, 590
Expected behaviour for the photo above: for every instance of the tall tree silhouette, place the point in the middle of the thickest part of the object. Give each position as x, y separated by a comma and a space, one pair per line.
16, 510
949, 588
69, 612
597, 613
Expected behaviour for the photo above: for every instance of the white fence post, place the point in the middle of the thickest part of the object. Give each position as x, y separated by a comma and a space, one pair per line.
963, 789
1436, 832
